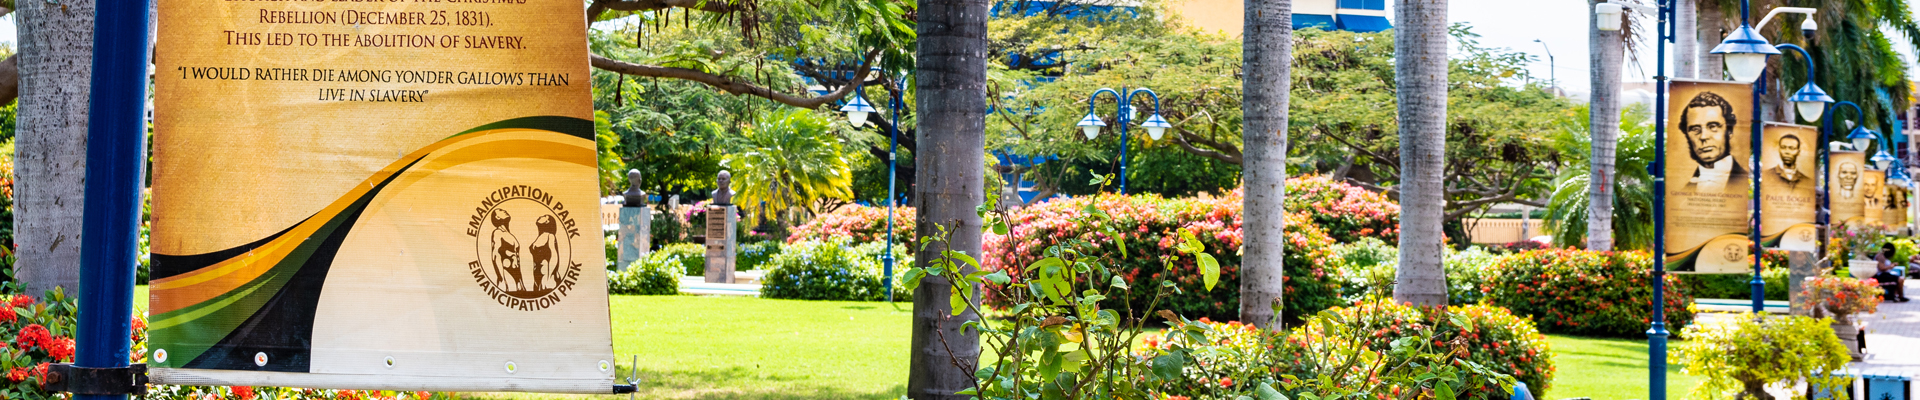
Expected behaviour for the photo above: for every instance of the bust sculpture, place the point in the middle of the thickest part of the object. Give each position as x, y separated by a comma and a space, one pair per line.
635, 196
724, 194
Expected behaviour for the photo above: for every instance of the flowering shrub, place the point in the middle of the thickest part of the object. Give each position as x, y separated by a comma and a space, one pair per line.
861, 223
1346, 212
752, 255
692, 258
1467, 272
1149, 226
1840, 297
1750, 352
1365, 268
1583, 292
831, 270
1857, 241
1484, 348
647, 276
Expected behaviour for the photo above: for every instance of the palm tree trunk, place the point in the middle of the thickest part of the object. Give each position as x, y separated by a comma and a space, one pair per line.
1420, 72
952, 86
1712, 28
1606, 49
1268, 51
55, 61
1686, 47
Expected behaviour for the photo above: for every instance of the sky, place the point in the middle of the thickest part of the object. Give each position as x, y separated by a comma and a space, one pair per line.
1559, 25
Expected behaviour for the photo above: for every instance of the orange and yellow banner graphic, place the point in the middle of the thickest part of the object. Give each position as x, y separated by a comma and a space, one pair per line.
376, 195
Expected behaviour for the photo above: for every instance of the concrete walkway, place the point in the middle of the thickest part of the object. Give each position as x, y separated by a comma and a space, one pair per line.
1893, 338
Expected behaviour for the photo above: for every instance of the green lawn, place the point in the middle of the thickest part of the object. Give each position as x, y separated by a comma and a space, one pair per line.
696, 347
1608, 369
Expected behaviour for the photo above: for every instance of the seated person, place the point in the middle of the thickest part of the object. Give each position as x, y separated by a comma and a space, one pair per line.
1894, 285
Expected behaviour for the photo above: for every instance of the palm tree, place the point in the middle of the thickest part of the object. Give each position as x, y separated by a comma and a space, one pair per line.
1856, 57
56, 50
1420, 73
1633, 197
951, 103
1607, 49
1686, 43
1268, 53
789, 161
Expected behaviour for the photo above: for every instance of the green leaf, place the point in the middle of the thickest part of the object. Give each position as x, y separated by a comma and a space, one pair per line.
1120, 283
998, 278
963, 257
957, 300
1168, 366
1266, 392
1443, 392
968, 391
1209, 269
1122, 243
999, 227
912, 279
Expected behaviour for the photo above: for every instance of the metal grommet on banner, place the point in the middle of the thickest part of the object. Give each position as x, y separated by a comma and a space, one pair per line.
160, 355
604, 365
511, 367
389, 362
260, 359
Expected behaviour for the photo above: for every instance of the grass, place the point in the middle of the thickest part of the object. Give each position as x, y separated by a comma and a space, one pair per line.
749, 348
1608, 369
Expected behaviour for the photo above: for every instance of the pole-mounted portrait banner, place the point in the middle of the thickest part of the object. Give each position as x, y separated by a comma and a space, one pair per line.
1709, 181
1873, 185
376, 195
1897, 205
1847, 195
1789, 187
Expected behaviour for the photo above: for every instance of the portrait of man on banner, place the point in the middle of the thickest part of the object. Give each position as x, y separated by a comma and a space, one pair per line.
1789, 192
1847, 199
1709, 184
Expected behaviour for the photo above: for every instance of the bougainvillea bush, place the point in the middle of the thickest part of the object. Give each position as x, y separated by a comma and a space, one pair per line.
1149, 226
1346, 212
861, 223
1489, 347
1583, 292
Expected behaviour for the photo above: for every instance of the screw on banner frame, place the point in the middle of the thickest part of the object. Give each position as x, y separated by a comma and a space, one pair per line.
633, 380
65, 377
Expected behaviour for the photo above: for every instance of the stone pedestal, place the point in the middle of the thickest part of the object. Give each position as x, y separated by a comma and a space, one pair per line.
720, 242
636, 234
1801, 265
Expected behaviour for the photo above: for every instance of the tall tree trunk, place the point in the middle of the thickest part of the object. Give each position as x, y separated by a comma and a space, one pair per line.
1606, 48
952, 84
1420, 72
1268, 51
1686, 47
55, 66
1712, 29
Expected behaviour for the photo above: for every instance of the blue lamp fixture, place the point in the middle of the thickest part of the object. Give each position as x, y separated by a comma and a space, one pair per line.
1745, 52
1091, 125
1155, 125
1862, 137
1882, 160
857, 109
1810, 100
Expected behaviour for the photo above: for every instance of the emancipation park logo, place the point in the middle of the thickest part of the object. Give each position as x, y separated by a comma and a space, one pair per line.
524, 262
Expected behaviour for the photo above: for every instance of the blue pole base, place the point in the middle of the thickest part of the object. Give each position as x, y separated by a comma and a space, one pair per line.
1657, 363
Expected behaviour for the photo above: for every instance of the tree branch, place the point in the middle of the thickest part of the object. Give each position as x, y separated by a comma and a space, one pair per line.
1217, 150
9, 78
733, 86
601, 6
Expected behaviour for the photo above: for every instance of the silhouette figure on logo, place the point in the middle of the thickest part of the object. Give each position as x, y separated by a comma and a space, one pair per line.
506, 251
546, 262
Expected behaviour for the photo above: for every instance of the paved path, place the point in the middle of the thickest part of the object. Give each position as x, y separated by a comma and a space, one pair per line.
1893, 338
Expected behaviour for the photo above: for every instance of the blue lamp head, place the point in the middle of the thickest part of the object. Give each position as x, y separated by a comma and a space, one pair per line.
1091, 125
1156, 126
1862, 137
1745, 53
1810, 101
1883, 160
857, 110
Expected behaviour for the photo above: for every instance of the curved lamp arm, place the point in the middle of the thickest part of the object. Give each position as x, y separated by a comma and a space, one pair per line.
1803, 55
1150, 93
1096, 95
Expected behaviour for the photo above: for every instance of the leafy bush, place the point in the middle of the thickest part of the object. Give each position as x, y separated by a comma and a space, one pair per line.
692, 258
1583, 292
1346, 212
1365, 268
1491, 337
1467, 272
830, 270
1735, 286
860, 223
647, 276
1152, 226
1745, 355
752, 255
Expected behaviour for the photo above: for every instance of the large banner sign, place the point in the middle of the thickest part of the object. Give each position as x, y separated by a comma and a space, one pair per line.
1895, 215
393, 195
1709, 186
1789, 187
1874, 189
1848, 196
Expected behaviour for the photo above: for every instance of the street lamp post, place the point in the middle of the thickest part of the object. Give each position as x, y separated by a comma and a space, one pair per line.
857, 110
1156, 126
1552, 72
1746, 58
1809, 102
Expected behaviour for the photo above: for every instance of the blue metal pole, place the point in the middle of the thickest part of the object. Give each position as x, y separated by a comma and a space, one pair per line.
1126, 105
1759, 286
1657, 334
893, 149
116, 158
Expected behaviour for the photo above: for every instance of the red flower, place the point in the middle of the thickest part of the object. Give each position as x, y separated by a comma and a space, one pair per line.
32, 336
7, 314
17, 374
61, 349
245, 392
21, 300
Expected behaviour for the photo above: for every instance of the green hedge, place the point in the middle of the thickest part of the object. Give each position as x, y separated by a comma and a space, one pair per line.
647, 276
832, 270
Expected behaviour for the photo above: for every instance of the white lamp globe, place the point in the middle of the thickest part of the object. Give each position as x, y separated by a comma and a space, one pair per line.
857, 110
1091, 125
1156, 126
857, 118
1746, 67
1810, 110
